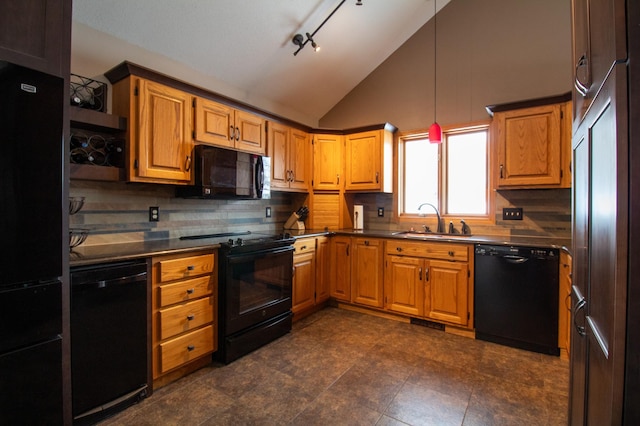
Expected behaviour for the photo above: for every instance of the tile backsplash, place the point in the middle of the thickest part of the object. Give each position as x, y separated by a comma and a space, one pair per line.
119, 213
116, 212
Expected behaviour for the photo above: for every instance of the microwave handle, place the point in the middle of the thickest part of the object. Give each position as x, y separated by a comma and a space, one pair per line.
259, 177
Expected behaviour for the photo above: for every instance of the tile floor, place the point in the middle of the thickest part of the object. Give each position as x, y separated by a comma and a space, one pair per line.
339, 367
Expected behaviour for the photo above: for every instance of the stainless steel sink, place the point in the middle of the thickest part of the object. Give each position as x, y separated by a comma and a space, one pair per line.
428, 235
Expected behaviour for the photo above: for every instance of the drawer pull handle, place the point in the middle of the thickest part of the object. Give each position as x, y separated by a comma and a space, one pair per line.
303, 248
190, 268
190, 317
190, 290
452, 253
190, 348
398, 248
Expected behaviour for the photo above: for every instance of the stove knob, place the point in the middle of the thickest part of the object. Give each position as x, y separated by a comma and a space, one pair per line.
239, 241
230, 241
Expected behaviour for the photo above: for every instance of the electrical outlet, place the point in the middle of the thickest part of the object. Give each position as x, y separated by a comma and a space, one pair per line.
380, 211
154, 214
267, 212
512, 213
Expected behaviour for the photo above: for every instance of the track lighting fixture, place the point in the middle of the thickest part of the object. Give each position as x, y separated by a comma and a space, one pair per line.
299, 40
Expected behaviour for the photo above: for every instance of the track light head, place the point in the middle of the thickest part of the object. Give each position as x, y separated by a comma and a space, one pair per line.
298, 40
359, 3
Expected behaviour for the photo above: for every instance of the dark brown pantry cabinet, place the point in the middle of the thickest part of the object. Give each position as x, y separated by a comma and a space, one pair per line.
605, 344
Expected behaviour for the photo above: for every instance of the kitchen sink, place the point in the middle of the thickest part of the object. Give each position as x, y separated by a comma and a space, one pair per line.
429, 235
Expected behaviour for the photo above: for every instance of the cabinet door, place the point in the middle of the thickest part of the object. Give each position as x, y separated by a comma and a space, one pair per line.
529, 146
36, 34
299, 159
363, 158
164, 133
447, 292
367, 279
304, 282
250, 133
214, 123
327, 162
322, 269
340, 268
403, 285
278, 142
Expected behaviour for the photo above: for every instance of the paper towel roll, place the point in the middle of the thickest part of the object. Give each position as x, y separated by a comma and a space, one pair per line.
358, 217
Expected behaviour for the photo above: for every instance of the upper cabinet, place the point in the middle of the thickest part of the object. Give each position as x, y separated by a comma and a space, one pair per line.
221, 125
159, 131
598, 42
533, 143
290, 158
327, 162
369, 160
37, 34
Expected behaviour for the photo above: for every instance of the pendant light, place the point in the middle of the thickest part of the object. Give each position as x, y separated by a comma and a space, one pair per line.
435, 131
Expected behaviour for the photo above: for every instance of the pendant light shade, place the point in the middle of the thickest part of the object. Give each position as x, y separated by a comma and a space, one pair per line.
435, 133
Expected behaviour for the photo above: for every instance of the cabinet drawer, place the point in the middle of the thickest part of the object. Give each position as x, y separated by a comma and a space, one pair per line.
189, 316
185, 267
444, 251
305, 245
183, 349
183, 291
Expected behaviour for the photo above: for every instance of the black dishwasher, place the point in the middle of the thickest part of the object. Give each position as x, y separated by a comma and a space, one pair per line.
516, 297
109, 339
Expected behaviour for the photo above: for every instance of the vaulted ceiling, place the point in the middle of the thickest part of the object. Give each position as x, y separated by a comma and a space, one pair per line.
246, 46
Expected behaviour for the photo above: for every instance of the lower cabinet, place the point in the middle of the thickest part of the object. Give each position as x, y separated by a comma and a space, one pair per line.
429, 280
340, 268
310, 274
366, 274
564, 305
184, 312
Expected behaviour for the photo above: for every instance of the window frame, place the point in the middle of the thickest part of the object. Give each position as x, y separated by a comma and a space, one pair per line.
411, 218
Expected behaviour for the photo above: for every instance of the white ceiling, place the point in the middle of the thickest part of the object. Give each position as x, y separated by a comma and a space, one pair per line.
247, 43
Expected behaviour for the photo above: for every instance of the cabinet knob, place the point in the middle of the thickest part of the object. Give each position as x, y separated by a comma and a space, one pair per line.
366, 242
190, 348
190, 290
190, 268
190, 317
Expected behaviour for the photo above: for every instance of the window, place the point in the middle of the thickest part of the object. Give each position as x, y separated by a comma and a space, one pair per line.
453, 176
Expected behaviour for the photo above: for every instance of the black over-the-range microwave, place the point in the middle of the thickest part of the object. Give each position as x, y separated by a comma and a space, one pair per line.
227, 174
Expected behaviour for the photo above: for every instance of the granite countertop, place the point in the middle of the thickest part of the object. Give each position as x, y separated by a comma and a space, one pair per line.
87, 255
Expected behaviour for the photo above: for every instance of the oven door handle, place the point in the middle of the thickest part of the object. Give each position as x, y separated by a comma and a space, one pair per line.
243, 257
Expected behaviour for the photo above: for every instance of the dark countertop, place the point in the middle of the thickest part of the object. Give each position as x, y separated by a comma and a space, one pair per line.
88, 255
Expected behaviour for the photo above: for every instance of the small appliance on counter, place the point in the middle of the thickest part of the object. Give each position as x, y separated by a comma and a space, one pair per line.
296, 220
358, 216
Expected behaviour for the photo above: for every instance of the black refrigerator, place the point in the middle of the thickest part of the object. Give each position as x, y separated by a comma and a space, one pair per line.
31, 211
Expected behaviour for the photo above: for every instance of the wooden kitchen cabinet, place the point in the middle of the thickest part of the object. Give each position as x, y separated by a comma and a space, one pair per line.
327, 162
564, 305
533, 144
221, 125
430, 280
290, 158
367, 272
322, 269
369, 161
159, 133
340, 268
403, 285
304, 274
184, 313
37, 34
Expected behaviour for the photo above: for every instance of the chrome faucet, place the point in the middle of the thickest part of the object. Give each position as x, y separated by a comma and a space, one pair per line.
439, 227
